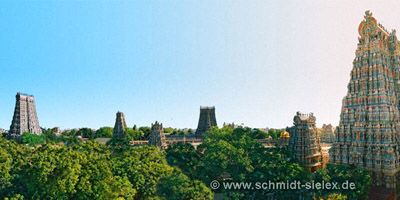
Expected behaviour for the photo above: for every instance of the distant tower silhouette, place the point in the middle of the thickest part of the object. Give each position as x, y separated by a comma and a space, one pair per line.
157, 136
120, 124
206, 121
25, 118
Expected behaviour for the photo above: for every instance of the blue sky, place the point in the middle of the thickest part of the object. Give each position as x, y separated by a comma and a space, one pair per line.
258, 62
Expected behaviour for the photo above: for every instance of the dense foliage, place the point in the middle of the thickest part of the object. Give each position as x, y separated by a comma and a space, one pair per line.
86, 133
275, 133
259, 134
104, 132
47, 137
233, 155
91, 171
168, 130
33, 139
56, 167
340, 174
134, 134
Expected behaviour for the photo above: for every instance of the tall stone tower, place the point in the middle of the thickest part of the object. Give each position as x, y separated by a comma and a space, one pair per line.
206, 121
305, 141
25, 118
327, 135
120, 124
368, 131
157, 136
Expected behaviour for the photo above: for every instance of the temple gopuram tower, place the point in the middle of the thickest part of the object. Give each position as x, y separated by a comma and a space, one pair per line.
305, 141
25, 118
157, 136
368, 131
120, 124
328, 135
206, 121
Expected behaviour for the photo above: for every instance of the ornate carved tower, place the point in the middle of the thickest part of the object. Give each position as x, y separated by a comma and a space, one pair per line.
25, 118
305, 141
120, 124
368, 131
206, 121
157, 136
327, 135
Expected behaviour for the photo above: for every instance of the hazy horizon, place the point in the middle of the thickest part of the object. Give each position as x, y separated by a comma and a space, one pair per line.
257, 62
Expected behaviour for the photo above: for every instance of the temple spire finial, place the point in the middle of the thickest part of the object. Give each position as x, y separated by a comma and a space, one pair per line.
368, 13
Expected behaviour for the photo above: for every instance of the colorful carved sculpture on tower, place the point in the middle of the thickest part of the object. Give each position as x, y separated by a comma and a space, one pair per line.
206, 121
120, 124
327, 135
305, 141
25, 118
157, 136
368, 131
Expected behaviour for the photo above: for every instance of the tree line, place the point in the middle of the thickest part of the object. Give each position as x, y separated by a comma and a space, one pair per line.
234, 155
89, 170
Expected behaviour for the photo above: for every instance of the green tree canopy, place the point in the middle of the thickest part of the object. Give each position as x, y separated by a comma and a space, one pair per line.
5, 168
86, 133
235, 155
133, 134
33, 139
182, 188
88, 170
71, 132
145, 132
341, 174
168, 130
104, 132
275, 133
143, 166
258, 134
183, 156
